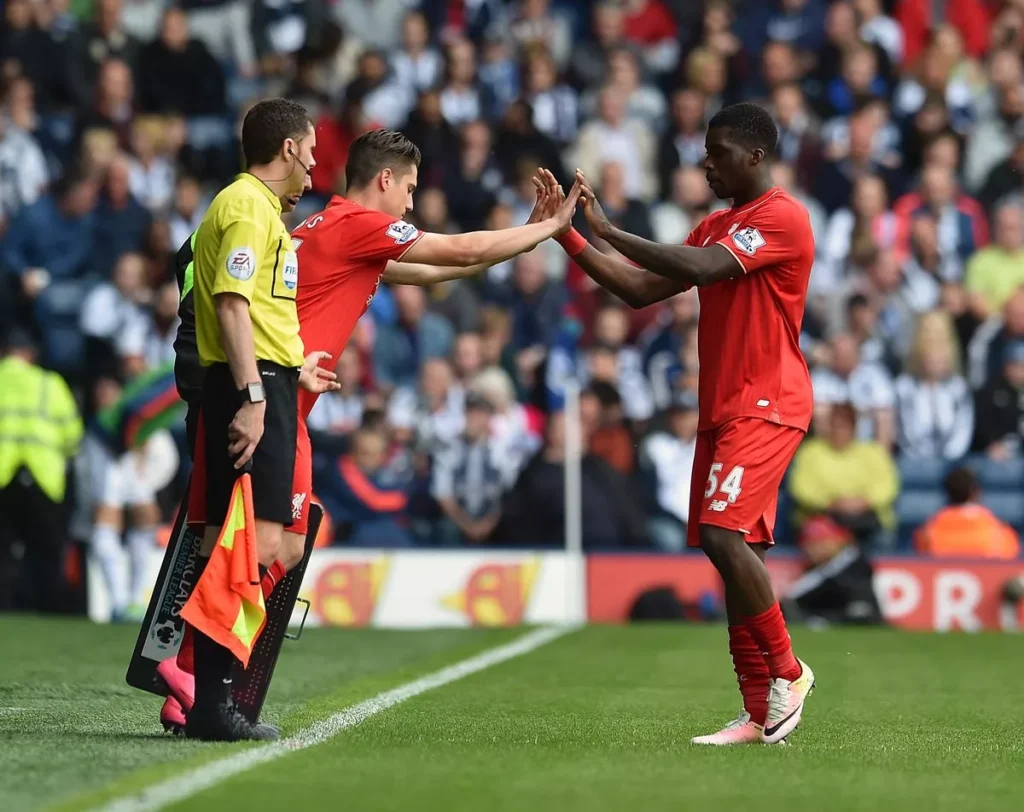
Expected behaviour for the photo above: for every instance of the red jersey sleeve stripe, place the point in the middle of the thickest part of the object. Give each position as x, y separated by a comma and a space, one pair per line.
725, 244
416, 239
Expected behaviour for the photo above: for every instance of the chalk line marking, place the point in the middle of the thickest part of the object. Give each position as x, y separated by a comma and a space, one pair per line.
195, 780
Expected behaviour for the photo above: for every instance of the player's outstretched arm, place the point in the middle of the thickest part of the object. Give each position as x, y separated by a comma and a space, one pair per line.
421, 274
418, 273
635, 286
682, 263
490, 247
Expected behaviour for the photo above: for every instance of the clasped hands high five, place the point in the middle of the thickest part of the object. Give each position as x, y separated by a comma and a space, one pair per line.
551, 199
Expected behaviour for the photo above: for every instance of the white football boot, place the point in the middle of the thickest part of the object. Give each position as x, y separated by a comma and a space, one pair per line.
786, 704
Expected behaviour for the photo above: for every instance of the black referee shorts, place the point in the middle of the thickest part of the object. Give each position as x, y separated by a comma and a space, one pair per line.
273, 462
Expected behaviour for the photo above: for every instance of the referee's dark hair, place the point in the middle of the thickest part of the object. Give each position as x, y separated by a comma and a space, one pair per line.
376, 150
267, 125
750, 124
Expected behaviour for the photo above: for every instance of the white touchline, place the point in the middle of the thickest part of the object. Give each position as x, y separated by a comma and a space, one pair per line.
196, 780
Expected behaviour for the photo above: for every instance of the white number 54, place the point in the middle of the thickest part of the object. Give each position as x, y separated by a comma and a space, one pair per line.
731, 485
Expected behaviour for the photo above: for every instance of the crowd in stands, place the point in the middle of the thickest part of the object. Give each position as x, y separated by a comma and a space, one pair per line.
902, 131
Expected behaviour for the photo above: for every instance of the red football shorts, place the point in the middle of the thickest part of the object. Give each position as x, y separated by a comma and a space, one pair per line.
302, 480
737, 470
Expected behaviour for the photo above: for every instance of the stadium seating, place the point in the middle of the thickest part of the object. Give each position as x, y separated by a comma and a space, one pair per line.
1002, 485
922, 473
1008, 475
914, 507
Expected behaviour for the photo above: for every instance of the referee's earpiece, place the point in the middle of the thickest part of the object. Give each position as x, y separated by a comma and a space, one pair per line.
297, 158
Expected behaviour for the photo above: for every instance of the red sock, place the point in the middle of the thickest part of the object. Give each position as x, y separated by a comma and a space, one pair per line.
751, 671
275, 572
769, 630
186, 657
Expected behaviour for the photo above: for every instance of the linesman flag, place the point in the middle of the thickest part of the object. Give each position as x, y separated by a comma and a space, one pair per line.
227, 602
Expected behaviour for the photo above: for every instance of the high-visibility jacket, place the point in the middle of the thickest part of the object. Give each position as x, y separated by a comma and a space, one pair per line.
969, 531
40, 427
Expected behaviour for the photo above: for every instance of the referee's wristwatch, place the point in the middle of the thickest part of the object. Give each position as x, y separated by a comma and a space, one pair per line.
253, 393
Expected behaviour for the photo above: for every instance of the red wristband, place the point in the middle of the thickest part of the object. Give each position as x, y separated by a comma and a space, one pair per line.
573, 242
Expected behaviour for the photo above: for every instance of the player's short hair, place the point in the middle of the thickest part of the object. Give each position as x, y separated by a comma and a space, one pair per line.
267, 125
751, 124
375, 151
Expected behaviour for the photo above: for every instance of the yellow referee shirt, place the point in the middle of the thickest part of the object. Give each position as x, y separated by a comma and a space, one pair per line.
243, 247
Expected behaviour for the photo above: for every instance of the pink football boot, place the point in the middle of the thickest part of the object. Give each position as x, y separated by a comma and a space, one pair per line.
180, 684
741, 730
172, 717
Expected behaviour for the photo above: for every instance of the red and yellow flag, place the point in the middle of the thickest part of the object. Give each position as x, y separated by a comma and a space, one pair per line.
227, 603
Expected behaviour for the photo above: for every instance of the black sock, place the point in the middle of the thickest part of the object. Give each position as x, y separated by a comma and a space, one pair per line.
214, 667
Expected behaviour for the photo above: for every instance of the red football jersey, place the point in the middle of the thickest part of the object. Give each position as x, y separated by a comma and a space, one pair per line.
343, 252
748, 335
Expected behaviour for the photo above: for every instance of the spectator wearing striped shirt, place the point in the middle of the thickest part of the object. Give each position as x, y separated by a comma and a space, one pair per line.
555, 104
666, 462
855, 231
469, 477
867, 386
935, 406
430, 415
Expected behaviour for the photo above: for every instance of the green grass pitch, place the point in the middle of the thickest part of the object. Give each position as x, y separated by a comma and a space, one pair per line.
597, 720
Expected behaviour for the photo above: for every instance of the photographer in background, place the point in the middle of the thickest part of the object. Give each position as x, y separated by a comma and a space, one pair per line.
837, 586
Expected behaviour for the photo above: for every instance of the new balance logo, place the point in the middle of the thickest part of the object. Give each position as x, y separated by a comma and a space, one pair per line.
719, 505
297, 501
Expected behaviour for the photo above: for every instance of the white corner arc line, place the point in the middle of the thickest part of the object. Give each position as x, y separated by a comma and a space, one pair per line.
194, 781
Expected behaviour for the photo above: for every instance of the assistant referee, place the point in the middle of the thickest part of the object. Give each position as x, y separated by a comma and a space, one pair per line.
245, 274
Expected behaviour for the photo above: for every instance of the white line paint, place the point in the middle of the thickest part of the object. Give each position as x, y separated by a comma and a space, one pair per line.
198, 779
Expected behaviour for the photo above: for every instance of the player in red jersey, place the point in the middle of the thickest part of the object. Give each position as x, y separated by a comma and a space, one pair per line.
751, 263
358, 241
